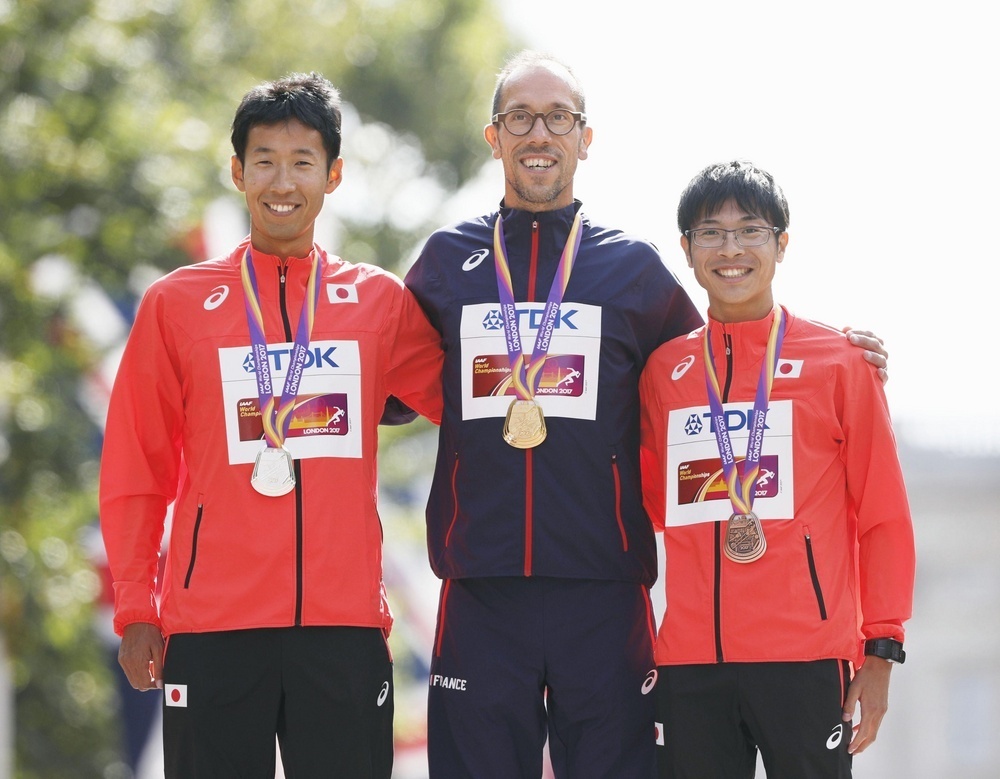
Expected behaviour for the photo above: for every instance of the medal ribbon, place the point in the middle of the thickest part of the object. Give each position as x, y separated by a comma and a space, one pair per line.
525, 378
277, 419
741, 489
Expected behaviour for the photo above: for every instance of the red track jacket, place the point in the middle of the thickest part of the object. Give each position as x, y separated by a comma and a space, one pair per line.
184, 424
839, 564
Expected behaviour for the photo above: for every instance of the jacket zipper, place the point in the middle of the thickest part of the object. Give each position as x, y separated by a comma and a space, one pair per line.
194, 544
717, 601
529, 507
719, 527
814, 575
295, 463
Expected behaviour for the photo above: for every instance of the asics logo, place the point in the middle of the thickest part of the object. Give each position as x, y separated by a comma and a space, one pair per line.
682, 367
475, 259
649, 682
219, 294
835, 738
383, 693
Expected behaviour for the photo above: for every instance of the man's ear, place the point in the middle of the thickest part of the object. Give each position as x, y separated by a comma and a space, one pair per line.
493, 139
336, 175
686, 246
586, 137
236, 168
782, 243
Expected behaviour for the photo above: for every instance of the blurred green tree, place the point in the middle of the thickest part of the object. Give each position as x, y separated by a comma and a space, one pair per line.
114, 118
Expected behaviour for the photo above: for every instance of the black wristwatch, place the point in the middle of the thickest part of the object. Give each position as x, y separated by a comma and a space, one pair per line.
887, 648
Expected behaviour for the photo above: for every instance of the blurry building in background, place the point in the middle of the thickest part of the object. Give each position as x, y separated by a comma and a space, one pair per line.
944, 704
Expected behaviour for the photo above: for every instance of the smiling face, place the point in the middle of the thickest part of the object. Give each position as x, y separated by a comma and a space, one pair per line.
736, 278
285, 178
538, 167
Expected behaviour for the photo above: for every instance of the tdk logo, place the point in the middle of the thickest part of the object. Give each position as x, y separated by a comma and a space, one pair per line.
494, 321
735, 420
315, 357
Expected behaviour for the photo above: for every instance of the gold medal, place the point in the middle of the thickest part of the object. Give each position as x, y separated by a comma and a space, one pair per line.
272, 472
744, 538
524, 427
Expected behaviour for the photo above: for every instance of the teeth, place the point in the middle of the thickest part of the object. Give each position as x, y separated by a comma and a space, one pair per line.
733, 273
533, 162
281, 209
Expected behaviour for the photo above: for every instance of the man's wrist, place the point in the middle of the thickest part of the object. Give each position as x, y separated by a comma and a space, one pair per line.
887, 648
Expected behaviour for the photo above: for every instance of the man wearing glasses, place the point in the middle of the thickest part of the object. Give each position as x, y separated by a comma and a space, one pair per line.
535, 521
768, 459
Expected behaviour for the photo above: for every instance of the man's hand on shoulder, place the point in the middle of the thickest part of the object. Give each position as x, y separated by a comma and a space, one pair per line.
875, 352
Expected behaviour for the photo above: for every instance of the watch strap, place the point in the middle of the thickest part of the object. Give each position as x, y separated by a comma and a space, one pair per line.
887, 648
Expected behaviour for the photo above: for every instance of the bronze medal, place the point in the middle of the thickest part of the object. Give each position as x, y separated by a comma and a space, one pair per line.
272, 472
744, 538
524, 427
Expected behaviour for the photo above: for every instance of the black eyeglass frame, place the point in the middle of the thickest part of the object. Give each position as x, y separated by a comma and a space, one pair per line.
578, 118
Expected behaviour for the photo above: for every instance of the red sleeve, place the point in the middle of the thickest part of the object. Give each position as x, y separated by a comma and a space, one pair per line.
886, 557
652, 447
413, 373
140, 462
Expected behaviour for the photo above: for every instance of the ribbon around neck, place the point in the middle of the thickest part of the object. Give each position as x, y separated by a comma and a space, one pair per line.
276, 417
526, 376
741, 487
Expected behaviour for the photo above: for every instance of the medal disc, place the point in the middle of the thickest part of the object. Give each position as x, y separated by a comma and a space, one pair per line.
524, 427
272, 472
744, 538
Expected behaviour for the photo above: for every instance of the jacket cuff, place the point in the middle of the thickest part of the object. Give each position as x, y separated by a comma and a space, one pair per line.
134, 602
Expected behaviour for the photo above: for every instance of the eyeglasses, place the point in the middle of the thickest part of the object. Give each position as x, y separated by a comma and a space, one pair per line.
714, 237
559, 121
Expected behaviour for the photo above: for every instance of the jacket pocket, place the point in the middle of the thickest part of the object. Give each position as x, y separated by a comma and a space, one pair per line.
194, 542
454, 501
617, 478
817, 588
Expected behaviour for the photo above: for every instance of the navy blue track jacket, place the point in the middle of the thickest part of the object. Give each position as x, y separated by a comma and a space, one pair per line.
572, 506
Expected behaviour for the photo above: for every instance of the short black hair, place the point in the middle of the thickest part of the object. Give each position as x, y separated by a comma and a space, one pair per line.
310, 98
753, 189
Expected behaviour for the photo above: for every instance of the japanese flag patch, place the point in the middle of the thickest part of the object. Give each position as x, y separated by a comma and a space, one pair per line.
342, 293
788, 369
175, 695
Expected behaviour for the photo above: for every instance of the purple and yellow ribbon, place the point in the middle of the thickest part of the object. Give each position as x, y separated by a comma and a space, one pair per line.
277, 417
525, 378
741, 488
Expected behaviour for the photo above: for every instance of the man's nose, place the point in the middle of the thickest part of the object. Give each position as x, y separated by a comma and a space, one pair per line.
730, 246
539, 128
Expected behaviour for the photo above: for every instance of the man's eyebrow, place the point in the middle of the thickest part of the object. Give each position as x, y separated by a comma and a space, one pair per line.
714, 220
552, 107
305, 151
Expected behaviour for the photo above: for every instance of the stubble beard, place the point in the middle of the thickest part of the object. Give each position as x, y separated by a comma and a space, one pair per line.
543, 196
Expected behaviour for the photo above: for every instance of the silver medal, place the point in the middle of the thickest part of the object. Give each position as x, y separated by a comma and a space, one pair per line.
272, 472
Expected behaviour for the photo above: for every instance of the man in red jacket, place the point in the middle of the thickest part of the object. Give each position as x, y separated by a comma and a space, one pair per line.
769, 461
249, 396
